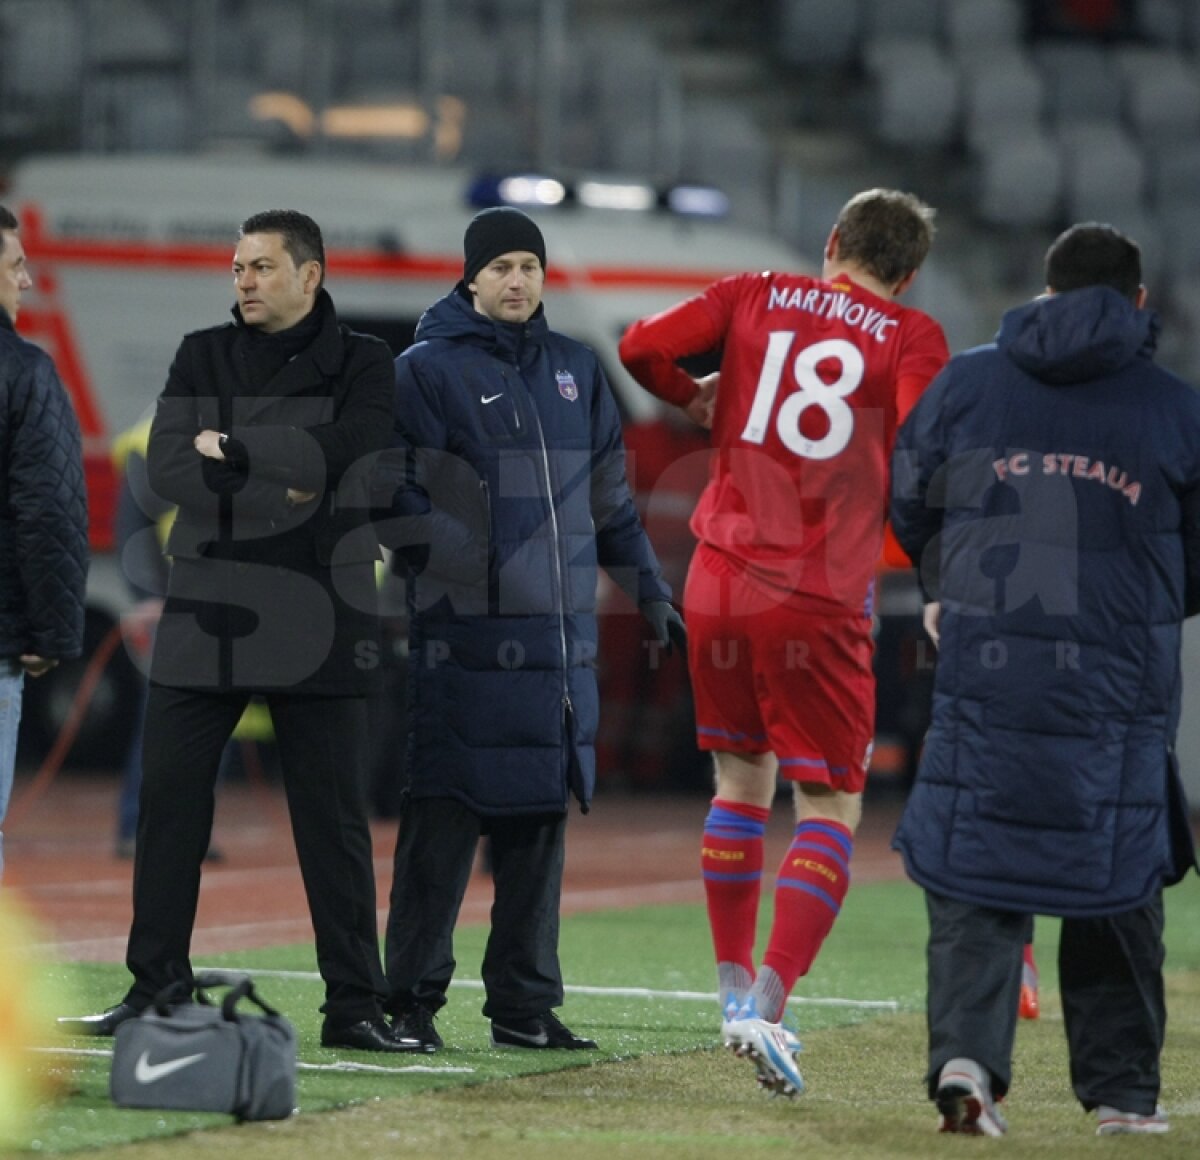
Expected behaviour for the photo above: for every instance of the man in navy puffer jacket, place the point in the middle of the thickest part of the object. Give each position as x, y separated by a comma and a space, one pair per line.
1048, 487
510, 489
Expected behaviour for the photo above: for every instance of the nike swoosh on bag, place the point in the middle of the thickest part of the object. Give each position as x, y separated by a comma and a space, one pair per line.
485, 399
146, 1072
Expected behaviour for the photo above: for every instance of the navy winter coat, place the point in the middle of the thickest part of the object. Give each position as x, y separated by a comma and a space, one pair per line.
514, 489
43, 506
1049, 487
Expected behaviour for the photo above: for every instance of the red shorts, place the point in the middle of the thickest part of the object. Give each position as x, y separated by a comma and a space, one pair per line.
769, 676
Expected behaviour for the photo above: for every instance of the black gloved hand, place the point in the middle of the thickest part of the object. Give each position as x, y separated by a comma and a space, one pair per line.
669, 629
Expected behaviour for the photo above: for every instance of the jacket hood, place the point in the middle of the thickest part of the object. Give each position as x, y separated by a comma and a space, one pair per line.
455, 317
1078, 335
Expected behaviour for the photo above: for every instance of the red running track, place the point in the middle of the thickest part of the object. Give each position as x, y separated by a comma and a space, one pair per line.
631, 850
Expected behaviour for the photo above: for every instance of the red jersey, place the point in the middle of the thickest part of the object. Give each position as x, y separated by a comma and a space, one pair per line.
815, 378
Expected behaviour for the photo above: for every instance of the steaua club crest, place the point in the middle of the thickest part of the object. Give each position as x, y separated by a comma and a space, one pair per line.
566, 385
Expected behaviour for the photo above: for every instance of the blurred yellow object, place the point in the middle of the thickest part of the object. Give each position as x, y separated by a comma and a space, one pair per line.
30, 1000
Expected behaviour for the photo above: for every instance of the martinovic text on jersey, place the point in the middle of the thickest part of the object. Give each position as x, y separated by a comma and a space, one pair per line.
835, 303
815, 377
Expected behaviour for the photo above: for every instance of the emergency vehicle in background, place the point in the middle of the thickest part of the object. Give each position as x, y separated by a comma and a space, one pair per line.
129, 253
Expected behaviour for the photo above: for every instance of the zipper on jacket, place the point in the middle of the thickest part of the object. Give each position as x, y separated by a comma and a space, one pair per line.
490, 594
558, 577
518, 426
568, 709
569, 742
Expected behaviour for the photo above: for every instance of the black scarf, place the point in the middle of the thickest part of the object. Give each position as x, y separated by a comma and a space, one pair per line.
268, 354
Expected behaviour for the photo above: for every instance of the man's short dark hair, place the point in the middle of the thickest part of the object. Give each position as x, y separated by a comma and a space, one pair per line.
8, 219
301, 235
1094, 254
886, 232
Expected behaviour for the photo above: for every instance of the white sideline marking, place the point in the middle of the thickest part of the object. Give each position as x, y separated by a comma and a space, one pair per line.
613, 992
347, 1065
341, 1065
712, 997
103, 1052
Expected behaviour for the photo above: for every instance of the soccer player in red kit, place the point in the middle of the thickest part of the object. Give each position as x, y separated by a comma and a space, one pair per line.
815, 376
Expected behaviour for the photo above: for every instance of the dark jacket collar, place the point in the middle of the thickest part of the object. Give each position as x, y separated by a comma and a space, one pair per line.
326, 350
6, 323
454, 317
320, 361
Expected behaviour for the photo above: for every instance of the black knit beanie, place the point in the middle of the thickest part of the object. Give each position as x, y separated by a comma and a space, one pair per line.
499, 231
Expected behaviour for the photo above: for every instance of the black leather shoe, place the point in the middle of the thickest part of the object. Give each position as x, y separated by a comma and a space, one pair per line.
416, 1022
106, 1023
367, 1035
544, 1031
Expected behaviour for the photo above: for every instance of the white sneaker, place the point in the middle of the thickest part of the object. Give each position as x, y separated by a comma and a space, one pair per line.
964, 1099
772, 1047
1115, 1123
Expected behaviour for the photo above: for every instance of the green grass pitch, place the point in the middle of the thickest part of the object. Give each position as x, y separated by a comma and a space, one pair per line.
640, 982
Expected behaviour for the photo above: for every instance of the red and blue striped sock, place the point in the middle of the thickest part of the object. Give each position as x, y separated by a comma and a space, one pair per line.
812, 883
731, 864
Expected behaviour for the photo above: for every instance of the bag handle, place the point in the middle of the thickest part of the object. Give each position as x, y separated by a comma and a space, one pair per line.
244, 990
173, 994
240, 985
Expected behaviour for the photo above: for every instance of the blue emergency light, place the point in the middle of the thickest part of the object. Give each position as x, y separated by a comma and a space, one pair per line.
627, 195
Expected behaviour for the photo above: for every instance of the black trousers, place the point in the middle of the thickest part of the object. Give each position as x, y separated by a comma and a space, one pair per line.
435, 851
1111, 974
1110, 977
320, 742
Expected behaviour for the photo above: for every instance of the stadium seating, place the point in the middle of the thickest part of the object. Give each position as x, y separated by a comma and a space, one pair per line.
976, 28
816, 32
1014, 134
1104, 175
894, 19
1019, 180
916, 93
1079, 80
1003, 94
1162, 97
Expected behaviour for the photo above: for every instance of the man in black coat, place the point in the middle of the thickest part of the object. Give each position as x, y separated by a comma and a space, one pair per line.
261, 439
43, 512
